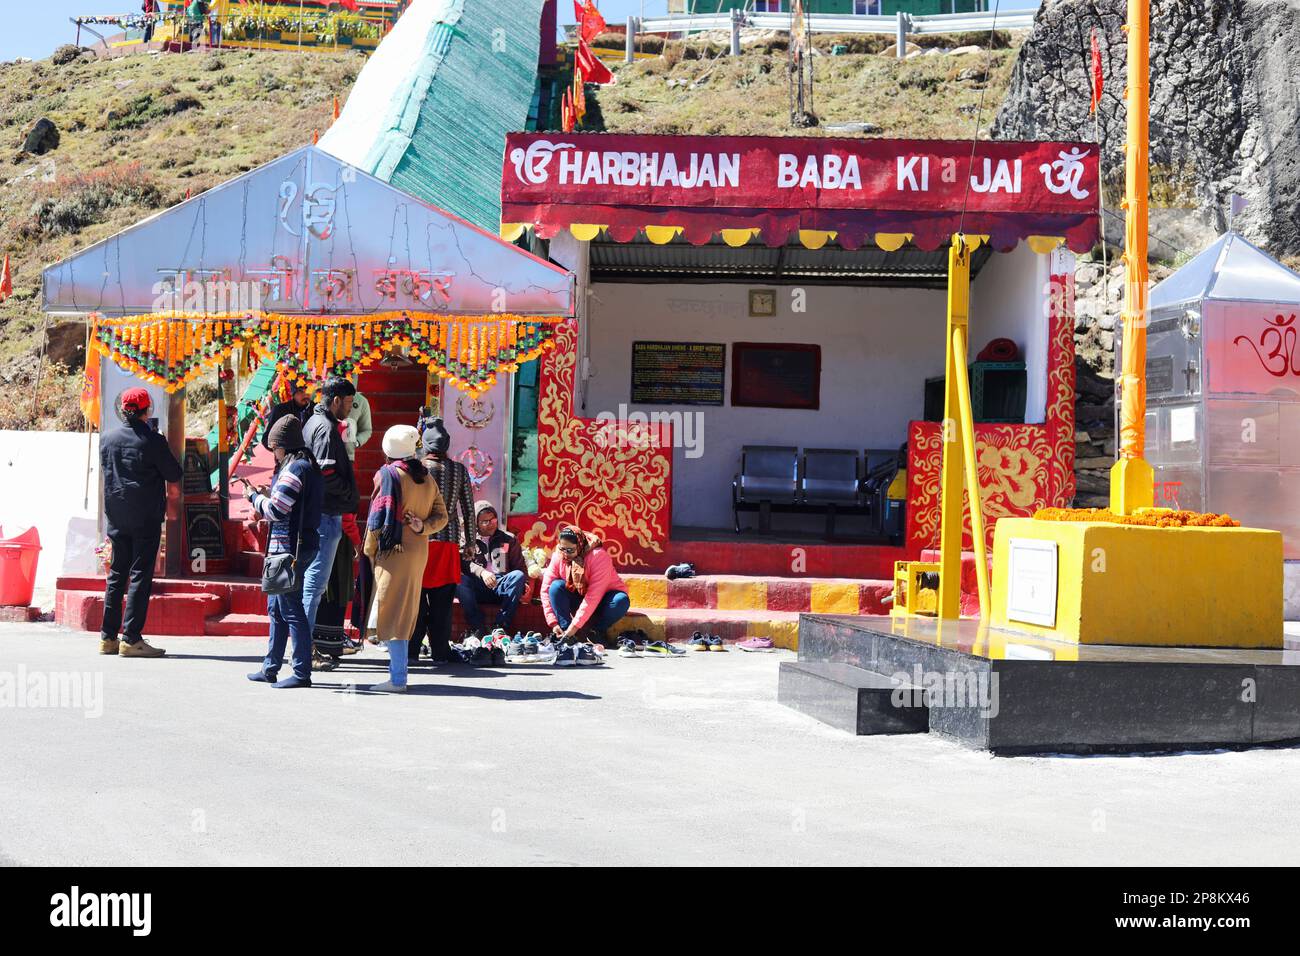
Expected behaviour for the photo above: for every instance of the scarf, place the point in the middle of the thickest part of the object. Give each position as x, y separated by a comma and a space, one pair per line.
575, 570
386, 506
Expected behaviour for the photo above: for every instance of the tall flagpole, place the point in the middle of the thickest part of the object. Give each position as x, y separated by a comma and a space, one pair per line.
1131, 477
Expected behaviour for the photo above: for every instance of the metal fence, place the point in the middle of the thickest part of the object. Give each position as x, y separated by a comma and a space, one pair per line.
899, 25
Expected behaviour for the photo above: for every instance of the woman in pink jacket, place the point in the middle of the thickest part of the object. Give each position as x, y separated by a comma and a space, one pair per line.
581, 588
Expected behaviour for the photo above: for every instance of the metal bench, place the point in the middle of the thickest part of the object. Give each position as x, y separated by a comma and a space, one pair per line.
768, 478
830, 482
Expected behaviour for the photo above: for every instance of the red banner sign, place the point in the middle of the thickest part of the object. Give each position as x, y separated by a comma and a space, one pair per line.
853, 186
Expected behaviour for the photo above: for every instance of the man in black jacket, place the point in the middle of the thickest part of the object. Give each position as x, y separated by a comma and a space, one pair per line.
324, 437
136, 464
299, 405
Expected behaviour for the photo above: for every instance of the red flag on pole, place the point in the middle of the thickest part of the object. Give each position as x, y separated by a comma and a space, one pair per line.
589, 65
590, 23
1096, 72
349, 4
6, 280
566, 111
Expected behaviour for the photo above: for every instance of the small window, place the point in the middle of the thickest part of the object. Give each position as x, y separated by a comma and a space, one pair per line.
768, 6
866, 8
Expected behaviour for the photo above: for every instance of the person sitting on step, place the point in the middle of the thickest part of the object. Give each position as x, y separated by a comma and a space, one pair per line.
494, 573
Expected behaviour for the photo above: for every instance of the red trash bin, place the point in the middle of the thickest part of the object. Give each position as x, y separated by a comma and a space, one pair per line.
18, 568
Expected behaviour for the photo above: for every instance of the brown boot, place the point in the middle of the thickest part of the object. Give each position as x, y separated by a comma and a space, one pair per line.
108, 645
140, 648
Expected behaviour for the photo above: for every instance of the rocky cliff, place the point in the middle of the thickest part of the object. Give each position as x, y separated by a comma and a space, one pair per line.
1225, 103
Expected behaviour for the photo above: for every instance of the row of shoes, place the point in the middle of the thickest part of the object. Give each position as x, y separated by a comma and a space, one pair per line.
498, 648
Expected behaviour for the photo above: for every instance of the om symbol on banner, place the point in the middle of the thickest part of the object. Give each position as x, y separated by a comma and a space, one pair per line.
1278, 338
1065, 174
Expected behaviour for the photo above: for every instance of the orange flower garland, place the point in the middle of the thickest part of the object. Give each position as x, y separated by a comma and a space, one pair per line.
1146, 518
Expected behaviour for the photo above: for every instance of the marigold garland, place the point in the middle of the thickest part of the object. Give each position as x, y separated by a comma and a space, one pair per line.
1146, 517
172, 349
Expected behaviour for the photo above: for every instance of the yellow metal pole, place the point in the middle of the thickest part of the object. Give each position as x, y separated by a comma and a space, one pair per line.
1131, 477
952, 432
972, 476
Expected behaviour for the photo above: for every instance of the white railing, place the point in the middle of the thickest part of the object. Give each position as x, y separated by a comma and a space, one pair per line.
899, 25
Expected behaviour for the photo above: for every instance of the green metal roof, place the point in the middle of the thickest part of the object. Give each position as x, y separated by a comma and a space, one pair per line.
446, 101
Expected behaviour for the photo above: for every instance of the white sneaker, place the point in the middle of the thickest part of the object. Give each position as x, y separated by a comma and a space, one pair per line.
387, 687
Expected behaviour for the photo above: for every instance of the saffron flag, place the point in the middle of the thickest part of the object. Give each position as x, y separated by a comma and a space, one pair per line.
590, 23
349, 4
1096, 72
6, 280
566, 111
579, 97
90, 390
589, 65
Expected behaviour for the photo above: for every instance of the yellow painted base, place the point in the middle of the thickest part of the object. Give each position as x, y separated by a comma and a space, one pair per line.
1131, 486
1167, 587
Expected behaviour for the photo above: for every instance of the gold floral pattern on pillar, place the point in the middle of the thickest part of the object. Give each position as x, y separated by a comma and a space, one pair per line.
605, 477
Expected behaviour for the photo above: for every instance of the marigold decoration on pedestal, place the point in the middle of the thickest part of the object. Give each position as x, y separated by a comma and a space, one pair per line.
172, 349
620, 489
1146, 517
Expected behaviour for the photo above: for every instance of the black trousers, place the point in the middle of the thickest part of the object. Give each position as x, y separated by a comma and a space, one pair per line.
130, 574
434, 620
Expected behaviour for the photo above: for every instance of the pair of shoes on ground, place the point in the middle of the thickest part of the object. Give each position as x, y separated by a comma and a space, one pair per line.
683, 570
530, 648
580, 654
638, 644
140, 648
271, 677
706, 642
757, 644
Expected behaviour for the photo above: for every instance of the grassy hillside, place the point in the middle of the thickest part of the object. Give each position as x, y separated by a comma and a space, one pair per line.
694, 88
135, 133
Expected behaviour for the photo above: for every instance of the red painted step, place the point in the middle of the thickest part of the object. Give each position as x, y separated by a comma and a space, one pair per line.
237, 625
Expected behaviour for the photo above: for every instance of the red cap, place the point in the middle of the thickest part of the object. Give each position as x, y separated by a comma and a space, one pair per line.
136, 399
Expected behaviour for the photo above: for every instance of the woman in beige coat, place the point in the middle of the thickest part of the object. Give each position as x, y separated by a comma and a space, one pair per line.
405, 509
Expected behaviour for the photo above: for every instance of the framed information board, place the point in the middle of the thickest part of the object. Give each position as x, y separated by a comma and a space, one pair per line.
678, 373
776, 375
203, 528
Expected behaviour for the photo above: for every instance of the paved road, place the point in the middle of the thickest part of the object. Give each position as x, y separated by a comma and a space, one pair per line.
644, 761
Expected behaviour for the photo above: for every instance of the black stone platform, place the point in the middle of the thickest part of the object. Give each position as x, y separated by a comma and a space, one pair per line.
851, 698
1013, 693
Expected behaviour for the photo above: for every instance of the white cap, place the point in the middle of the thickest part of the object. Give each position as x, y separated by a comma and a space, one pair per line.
401, 441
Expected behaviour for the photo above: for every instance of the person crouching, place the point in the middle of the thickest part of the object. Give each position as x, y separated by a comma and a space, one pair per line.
406, 508
581, 588
293, 507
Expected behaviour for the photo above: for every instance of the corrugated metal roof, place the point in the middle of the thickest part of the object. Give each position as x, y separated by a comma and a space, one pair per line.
482, 90
680, 260
430, 111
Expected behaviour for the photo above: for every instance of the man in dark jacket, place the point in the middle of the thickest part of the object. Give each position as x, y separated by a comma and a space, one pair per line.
299, 405
136, 464
324, 437
496, 572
